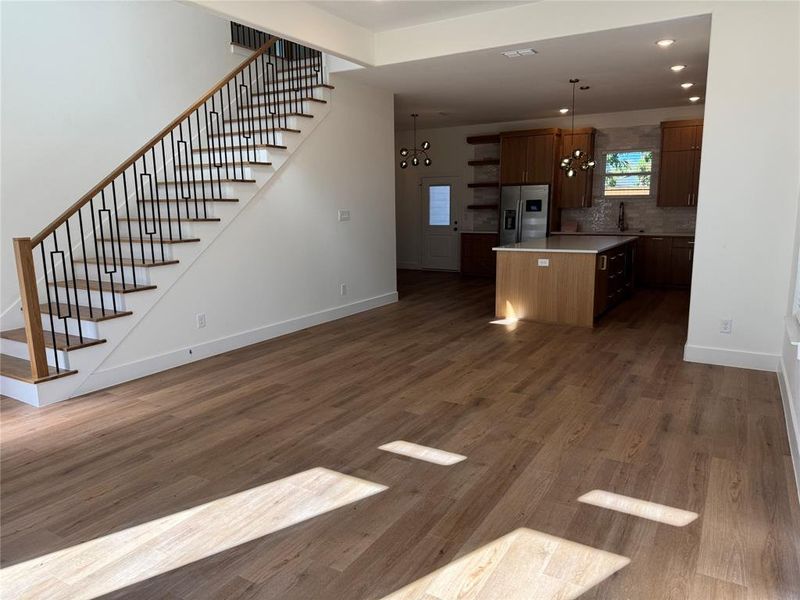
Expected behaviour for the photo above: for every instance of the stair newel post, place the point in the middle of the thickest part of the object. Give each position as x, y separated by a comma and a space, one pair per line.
29, 298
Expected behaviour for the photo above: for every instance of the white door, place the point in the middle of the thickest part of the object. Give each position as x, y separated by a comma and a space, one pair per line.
440, 224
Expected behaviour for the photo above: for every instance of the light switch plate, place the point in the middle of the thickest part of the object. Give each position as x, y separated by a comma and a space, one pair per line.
543, 262
344, 215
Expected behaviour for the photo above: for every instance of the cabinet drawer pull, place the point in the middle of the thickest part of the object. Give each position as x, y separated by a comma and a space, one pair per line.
655, 239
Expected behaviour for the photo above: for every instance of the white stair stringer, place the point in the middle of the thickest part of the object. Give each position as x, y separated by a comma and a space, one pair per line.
87, 360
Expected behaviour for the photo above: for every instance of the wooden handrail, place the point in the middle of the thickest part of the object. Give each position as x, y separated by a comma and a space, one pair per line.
42, 235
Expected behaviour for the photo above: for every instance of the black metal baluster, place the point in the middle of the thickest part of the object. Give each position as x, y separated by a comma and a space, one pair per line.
119, 236
97, 257
85, 263
130, 223
141, 204
74, 283
49, 302
56, 278
177, 173
103, 243
191, 160
166, 188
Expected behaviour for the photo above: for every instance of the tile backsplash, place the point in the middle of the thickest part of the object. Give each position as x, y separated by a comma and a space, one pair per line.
640, 213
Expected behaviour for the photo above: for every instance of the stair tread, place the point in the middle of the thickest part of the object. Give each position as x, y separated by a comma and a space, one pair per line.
271, 92
127, 262
105, 286
62, 343
239, 147
211, 181
148, 240
191, 200
239, 133
20, 369
233, 163
174, 218
291, 100
94, 315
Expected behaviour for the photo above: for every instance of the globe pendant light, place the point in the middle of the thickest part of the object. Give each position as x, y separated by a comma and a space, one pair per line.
416, 153
577, 159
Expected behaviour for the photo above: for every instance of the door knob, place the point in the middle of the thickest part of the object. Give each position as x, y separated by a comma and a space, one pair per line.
455, 228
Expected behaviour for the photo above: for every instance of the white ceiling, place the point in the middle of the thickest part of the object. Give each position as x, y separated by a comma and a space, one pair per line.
624, 67
382, 15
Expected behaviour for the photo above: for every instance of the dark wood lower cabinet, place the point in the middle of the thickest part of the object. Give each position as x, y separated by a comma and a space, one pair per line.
477, 257
614, 277
664, 261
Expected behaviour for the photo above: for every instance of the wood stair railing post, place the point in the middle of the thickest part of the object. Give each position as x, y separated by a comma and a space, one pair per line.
29, 297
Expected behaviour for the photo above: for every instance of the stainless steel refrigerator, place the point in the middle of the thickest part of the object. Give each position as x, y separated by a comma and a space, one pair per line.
523, 212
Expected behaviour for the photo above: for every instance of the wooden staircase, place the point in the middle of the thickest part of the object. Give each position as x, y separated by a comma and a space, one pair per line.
89, 277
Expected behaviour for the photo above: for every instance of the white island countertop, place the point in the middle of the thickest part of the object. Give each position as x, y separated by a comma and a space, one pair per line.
579, 244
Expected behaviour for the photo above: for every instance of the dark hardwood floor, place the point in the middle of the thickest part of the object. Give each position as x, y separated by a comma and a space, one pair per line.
543, 413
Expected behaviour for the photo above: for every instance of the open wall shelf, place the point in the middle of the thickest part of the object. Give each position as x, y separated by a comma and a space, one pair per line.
484, 162
481, 206
484, 184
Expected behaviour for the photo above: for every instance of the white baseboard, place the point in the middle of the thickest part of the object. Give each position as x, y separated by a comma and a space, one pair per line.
103, 378
792, 422
725, 357
409, 266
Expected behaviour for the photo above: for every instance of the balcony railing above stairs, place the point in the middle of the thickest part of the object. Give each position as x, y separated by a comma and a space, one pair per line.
139, 206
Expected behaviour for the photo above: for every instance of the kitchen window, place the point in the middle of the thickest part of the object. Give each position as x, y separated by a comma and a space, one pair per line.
628, 173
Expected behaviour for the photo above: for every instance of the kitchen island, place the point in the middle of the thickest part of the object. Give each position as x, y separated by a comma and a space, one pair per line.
564, 279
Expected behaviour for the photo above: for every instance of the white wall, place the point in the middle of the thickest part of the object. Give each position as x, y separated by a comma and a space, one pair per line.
749, 184
286, 255
789, 376
450, 153
84, 85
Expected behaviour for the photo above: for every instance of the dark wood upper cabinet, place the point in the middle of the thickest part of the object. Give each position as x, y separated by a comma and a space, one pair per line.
576, 192
513, 151
676, 178
528, 157
679, 169
539, 159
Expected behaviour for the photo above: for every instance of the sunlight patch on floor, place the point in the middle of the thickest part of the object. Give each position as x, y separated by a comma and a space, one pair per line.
639, 508
523, 565
120, 559
432, 455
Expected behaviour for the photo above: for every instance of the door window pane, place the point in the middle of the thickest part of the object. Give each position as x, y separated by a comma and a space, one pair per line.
439, 205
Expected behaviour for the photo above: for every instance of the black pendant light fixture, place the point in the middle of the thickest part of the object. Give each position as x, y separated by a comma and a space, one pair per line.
415, 153
577, 159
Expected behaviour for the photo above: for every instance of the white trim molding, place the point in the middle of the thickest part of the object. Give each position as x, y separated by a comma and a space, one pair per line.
792, 422
743, 359
104, 378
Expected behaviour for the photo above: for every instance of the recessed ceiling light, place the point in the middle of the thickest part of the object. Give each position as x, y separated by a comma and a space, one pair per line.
687, 85
694, 98
665, 43
677, 68
519, 52
563, 111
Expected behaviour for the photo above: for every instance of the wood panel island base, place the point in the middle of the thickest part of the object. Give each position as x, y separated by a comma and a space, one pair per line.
568, 280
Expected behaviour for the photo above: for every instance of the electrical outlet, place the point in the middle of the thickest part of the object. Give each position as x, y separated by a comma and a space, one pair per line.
201, 320
343, 289
344, 215
726, 325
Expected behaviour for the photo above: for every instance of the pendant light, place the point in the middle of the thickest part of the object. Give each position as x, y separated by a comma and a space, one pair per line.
577, 159
414, 152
